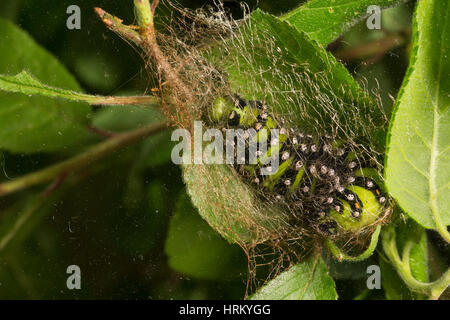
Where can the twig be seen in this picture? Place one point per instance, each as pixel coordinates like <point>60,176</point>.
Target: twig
<point>127,100</point>
<point>82,160</point>
<point>58,181</point>
<point>100,132</point>
<point>23,217</point>
<point>146,39</point>
<point>50,194</point>
<point>145,15</point>
<point>115,24</point>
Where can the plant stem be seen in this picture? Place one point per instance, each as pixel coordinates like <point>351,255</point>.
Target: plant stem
<point>115,24</point>
<point>342,256</point>
<point>82,160</point>
<point>144,13</point>
<point>23,217</point>
<point>146,39</point>
<point>401,264</point>
<point>126,100</point>
<point>25,83</point>
<point>32,207</point>
<point>184,95</point>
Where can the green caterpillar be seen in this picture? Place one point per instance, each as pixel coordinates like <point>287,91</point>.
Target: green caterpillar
<point>322,180</point>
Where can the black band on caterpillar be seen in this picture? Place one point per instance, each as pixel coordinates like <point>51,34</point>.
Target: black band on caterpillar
<point>318,177</point>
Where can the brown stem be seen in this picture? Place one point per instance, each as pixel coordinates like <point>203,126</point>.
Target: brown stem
<point>154,5</point>
<point>147,40</point>
<point>182,96</point>
<point>82,160</point>
<point>56,183</point>
<point>100,132</point>
<point>127,100</point>
<point>115,24</point>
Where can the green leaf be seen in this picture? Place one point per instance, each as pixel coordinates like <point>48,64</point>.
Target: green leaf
<point>269,60</point>
<point>308,280</point>
<point>197,250</point>
<point>325,20</point>
<point>32,124</point>
<point>229,205</point>
<point>417,165</point>
<point>25,83</point>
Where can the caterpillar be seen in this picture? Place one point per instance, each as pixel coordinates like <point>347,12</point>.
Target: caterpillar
<point>321,179</point>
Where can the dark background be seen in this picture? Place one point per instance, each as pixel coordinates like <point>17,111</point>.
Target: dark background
<point>127,221</point>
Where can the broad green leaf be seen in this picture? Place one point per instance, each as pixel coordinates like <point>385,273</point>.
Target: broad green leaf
<point>308,280</point>
<point>229,205</point>
<point>269,60</point>
<point>417,165</point>
<point>25,83</point>
<point>325,20</point>
<point>31,123</point>
<point>197,250</point>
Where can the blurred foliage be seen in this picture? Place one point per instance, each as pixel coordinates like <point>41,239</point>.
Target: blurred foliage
<point>125,220</point>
